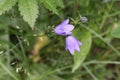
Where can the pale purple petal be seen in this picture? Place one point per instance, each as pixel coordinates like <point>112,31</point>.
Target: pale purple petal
<point>76,43</point>
<point>65,22</point>
<point>72,44</point>
<point>68,28</point>
<point>59,31</point>
<point>71,51</point>
<point>61,25</point>
<point>64,28</point>
<point>69,46</point>
<point>79,43</point>
<point>77,48</point>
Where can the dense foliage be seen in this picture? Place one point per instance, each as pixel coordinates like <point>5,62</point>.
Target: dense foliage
<point>30,50</point>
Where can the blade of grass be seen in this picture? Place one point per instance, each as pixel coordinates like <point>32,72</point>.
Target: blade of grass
<point>53,71</point>
<point>25,61</point>
<point>101,62</point>
<point>92,75</point>
<point>8,71</point>
<point>12,48</point>
<point>106,14</point>
<point>100,37</point>
<point>22,49</point>
<point>113,14</point>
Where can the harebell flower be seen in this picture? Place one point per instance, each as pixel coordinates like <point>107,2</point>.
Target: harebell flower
<point>65,29</point>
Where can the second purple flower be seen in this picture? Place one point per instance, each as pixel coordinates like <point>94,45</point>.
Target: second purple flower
<point>72,44</point>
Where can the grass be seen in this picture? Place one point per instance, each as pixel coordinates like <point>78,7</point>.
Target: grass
<point>50,60</point>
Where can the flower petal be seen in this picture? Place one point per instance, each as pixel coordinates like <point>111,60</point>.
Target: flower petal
<point>68,28</point>
<point>71,51</point>
<point>72,44</point>
<point>65,22</point>
<point>60,28</point>
<point>61,25</point>
<point>59,31</point>
<point>79,43</point>
<point>69,43</point>
<point>77,46</point>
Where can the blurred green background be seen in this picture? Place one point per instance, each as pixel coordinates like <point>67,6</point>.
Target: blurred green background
<point>30,50</point>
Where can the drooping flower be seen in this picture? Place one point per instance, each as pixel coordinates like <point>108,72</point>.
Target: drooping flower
<point>72,44</point>
<point>64,28</point>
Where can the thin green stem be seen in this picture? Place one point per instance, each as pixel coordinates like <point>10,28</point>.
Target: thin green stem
<point>22,49</point>
<point>113,14</point>
<point>8,71</point>
<point>23,52</point>
<point>100,37</point>
<point>105,16</point>
<point>102,62</point>
<point>50,71</point>
<point>12,48</point>
<point>88,70</point>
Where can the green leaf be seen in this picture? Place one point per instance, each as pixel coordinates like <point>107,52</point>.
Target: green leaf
<point>84,3</point>
<point>59,3</point>
<point>116,31</point>
<point>29,11</point>
<point>50,4</point>
<point>6,5</point>
<point>86,39</point>
<point>43,73</point>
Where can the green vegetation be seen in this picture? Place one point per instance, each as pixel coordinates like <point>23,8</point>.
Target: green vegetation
<point>30,50</point>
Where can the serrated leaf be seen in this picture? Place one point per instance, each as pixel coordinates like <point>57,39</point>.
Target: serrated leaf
<point>86,39</point>
<point>29,10</point>
<point>6,5</point>
<point>50,4</point>
<point>116,31</point>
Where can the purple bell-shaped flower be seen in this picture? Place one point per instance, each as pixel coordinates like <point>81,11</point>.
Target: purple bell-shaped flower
<point>72,44</point>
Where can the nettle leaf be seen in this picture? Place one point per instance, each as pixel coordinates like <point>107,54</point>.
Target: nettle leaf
<point>116,31</point>
<point>52,5</point>
<point>29,11</point>
<point>86,39</point>
<point>6,5</point>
